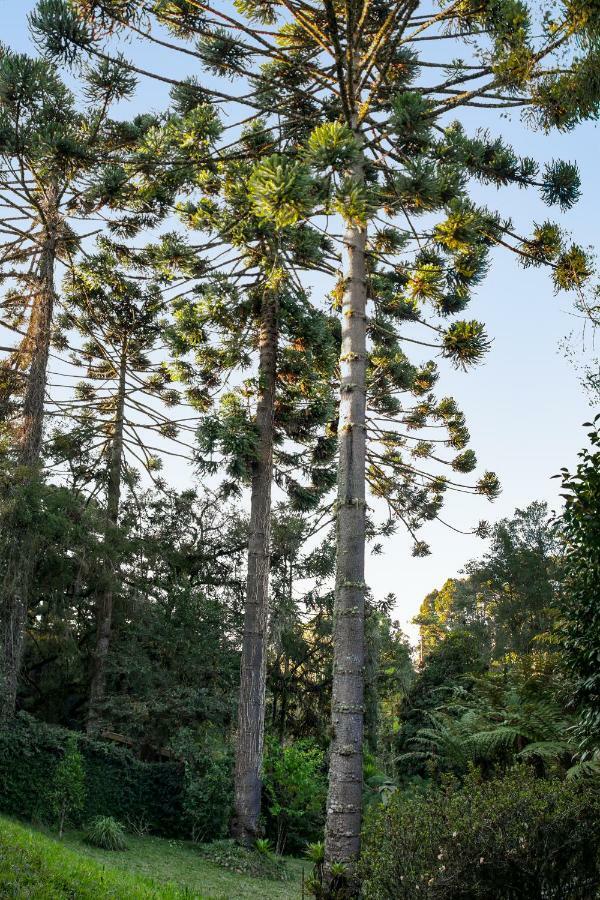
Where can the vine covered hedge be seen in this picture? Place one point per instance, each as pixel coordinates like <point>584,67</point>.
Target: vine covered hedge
<point>117,784</point>
<point>511,838</point>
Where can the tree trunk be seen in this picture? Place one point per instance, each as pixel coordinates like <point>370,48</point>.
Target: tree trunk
<point>104,597</point>
<point>19,540</point>
<point>251,711</point>
<point>342,833</point>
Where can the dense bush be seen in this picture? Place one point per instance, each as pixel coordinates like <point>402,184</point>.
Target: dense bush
<point>106,833</point>
<point>116,783</point>
<point>260,863</point>
<point>207,795</point>
<point>295,786</point>
<point>579,595</point>
<point>66,792</point>
<point>515,838</point>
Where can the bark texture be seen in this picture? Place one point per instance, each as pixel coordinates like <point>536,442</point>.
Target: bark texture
<point>342,835</point>
<point>104,597</point>
<point>251,711</point>
<point>19,540</point>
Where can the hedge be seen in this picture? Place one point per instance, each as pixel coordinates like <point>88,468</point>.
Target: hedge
<point>512,838</point>
<point>117,783</point>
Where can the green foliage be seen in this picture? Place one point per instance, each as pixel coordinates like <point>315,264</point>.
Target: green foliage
<point>378,786</point>
<point>572,269</point>
<point>117,784</point>
<point>503,719</point>
<point>207,784</point>
<point>332,144</point>
<point>34,866</point>
<point>354,201</point>
<point>280,191</point>
<point>331,885</point>
<point>563,100</point>
<point>453,661</point>
<point>506,839</point>
<point>262,11</point>
<point>66,794</point>
<point>220,52</point>
<point>257,863</point>
<point>106,833</point>
<point>466,343</point>
<point>410,120</point>
<point>263,846</point>
<point>561,184</point>
<point>580,530</point>
<point>59,29</point>
<point>295,786</point>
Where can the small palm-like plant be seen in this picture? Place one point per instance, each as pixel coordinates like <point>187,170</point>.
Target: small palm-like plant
<point>316,854</point>
<point>263,846</point>
<point>106,833</point>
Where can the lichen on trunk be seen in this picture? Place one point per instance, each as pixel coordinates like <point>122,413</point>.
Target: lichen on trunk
<point>342,839</point>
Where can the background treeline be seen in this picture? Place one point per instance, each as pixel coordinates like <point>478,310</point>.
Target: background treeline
<point>488,688</point>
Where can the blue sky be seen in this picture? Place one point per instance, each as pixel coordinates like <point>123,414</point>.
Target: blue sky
<point>524,406</point>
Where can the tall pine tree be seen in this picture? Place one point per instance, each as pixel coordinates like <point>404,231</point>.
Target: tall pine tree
<point>48,149</point>
<point>375,85</point>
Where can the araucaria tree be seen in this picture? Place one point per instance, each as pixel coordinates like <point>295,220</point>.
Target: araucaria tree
<point>272,428</point>
<point>47,151</point>
<point>387,156</point>
<point>121,424</point>
<point>362,98</point>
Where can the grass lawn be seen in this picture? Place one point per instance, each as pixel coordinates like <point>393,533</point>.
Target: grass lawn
<point>36,866</point>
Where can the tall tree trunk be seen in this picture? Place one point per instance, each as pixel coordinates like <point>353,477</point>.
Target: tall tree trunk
<point>342,834</point>
<point>20,540</point>
<point>104,596</point>
<point>286,665</point>
<point>251,711</point>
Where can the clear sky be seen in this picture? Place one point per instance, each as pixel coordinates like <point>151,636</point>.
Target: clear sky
<point>524,405</point>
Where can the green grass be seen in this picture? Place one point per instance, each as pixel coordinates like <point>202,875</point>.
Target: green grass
<point>36,866</point>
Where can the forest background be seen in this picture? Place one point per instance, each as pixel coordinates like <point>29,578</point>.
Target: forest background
<point>525,404</point>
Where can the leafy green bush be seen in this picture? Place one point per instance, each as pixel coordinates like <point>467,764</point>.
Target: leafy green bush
<point>117,783</point>
<point>263,846</point>
<point>106,833</point>
<point>513,838</point>
<point>66,796</point>
<point>207,795</point>
<point>296,788</point>
<point>378,786</point>
<point>581,612</point>
<point>230,855</point>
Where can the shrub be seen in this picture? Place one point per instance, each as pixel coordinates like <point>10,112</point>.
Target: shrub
<point>117,783</point>
<point>207,794</point>
<point>66,796</point>
<point>513,838</point>
<point>263,846</point>
<point>579,600</point>
<point>296,788</point>
<point>230,855</point>
<point>106,833</point>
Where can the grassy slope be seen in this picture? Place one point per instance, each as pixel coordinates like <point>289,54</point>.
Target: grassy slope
<point>36,867</point>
